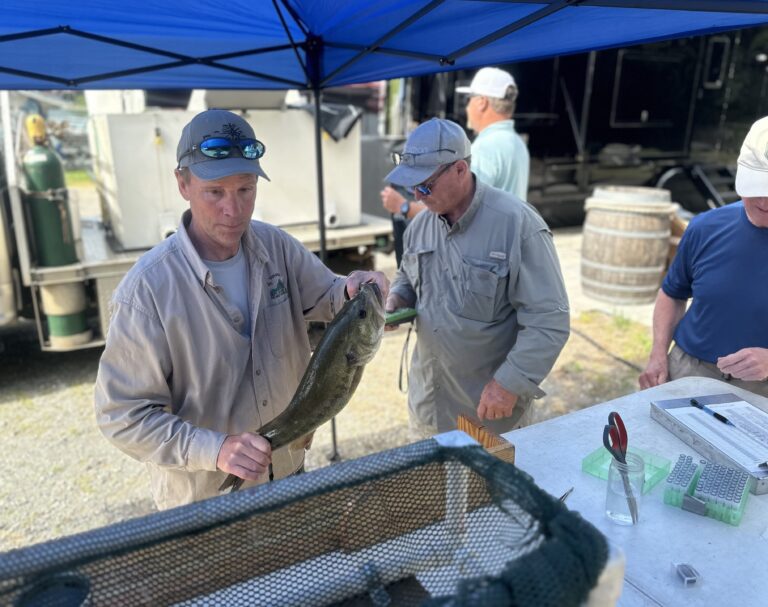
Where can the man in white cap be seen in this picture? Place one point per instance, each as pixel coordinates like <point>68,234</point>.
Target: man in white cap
<point>208,340</point>
<point>721,264</point>
<point>482,272</point>
<point>500,157</point>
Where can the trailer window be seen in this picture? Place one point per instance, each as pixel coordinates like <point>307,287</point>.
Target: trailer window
<point>716,61</point>
<point>645,89</point>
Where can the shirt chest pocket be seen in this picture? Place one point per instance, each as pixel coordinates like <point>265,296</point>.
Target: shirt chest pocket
<point>484,289</point>
<point>278,321</point>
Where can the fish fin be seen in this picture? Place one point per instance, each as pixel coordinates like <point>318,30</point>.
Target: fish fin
<point>226,484</point>
<point>231,481</point>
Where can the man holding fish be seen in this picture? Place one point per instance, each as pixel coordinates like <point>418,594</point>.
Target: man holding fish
<point>207,341</point>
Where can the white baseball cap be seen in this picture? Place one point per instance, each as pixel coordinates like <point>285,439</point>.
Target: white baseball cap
<point>752,165</point>
<point>489,82</point>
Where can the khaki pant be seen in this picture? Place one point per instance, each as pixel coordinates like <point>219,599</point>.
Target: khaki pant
<point>685,365</point>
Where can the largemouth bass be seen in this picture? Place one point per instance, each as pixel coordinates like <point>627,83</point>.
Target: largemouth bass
<point>334,371</point>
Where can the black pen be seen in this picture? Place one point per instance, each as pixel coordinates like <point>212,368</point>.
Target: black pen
<point>714,414</point>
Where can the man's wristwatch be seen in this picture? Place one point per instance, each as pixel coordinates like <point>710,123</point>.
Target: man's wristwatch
<point>405,207</point>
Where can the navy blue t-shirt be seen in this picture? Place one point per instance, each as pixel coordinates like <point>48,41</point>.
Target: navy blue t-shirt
<point>722,262</point>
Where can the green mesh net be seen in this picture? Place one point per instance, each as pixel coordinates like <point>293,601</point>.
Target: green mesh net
<point>418,525</point>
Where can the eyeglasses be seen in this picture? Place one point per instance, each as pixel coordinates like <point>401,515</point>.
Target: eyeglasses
<point>409,159</point>
<point>425,189</point>
<point>221,147</point>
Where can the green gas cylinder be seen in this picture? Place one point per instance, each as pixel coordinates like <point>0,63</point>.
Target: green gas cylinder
<point>48,211</point>
<point>48,205</point>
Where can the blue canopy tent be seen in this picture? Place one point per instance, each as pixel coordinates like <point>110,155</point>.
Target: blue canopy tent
<point>315,44</point>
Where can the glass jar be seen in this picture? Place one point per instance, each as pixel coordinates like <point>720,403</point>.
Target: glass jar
<point>625,487</point>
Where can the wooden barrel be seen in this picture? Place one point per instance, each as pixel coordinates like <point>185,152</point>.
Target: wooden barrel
<point>677,228</point>
<point>625,243</point>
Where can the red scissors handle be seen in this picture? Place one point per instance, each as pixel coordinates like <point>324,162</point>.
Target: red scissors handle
<point>612,442</point>
<point>614,419</point>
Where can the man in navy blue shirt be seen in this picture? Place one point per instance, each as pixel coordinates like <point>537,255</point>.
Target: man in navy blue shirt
<point>722,265</point>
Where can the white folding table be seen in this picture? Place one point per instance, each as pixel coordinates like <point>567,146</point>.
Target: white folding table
<point>731,560</point>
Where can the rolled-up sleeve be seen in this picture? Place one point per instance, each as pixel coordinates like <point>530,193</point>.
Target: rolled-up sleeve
<point>133,399</point>
<point>401,286</point>
<point>538,294</point>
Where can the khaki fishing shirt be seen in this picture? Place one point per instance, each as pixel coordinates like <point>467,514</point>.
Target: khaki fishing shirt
<point>180,371</point>
<point>491,304</point>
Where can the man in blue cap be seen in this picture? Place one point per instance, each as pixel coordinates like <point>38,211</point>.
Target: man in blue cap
<point>208,339</point>
<point>481,269</point>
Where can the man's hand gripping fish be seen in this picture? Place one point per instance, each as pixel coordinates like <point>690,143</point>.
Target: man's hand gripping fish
<point>334,371</point>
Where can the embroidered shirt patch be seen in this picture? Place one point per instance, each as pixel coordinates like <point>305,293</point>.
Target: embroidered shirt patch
<point>277,290</point>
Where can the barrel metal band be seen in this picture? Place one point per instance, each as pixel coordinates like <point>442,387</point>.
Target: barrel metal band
<point>620,288</point>
<point>625,234</point>
<point>629,270</point>
<point>662,209</point>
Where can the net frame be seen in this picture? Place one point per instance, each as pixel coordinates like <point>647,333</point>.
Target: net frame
<point>456,525</point>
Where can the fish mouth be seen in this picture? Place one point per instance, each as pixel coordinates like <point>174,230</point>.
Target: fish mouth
<point>377,292</point>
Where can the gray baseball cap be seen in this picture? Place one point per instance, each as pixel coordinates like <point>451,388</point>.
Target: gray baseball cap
<point>212,124</point>
<point>431,144</point>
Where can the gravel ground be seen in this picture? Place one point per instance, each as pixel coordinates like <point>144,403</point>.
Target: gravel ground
<point>60,476</point>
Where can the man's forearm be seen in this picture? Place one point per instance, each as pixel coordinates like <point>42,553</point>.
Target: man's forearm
<point>667,314</point>
<point>158,437</point>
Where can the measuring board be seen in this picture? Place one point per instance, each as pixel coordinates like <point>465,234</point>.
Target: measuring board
<point>743,445</point>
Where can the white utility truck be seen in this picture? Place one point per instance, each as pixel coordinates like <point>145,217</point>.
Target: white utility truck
<point>58,269</point>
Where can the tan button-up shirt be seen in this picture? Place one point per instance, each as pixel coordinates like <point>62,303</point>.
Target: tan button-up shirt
<point>180,372</point>
<point>491,304</point>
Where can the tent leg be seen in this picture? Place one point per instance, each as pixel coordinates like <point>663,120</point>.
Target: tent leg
<point>334,455</point>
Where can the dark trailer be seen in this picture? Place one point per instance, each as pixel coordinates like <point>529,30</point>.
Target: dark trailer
<point>670,114</point>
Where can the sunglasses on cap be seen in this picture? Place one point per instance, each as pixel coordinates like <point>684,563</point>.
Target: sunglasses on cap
<point>221,147</point>
<point>409,159</point>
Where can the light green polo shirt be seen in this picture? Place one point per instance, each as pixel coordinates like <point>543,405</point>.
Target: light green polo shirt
<point>500,158</point>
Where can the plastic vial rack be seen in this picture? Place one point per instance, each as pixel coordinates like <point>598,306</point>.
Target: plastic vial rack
<point>708,489</point>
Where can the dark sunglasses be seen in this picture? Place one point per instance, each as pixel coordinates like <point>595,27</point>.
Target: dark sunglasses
<point>409,159</point>
<point>425,189</point>
<point>221,147</point>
